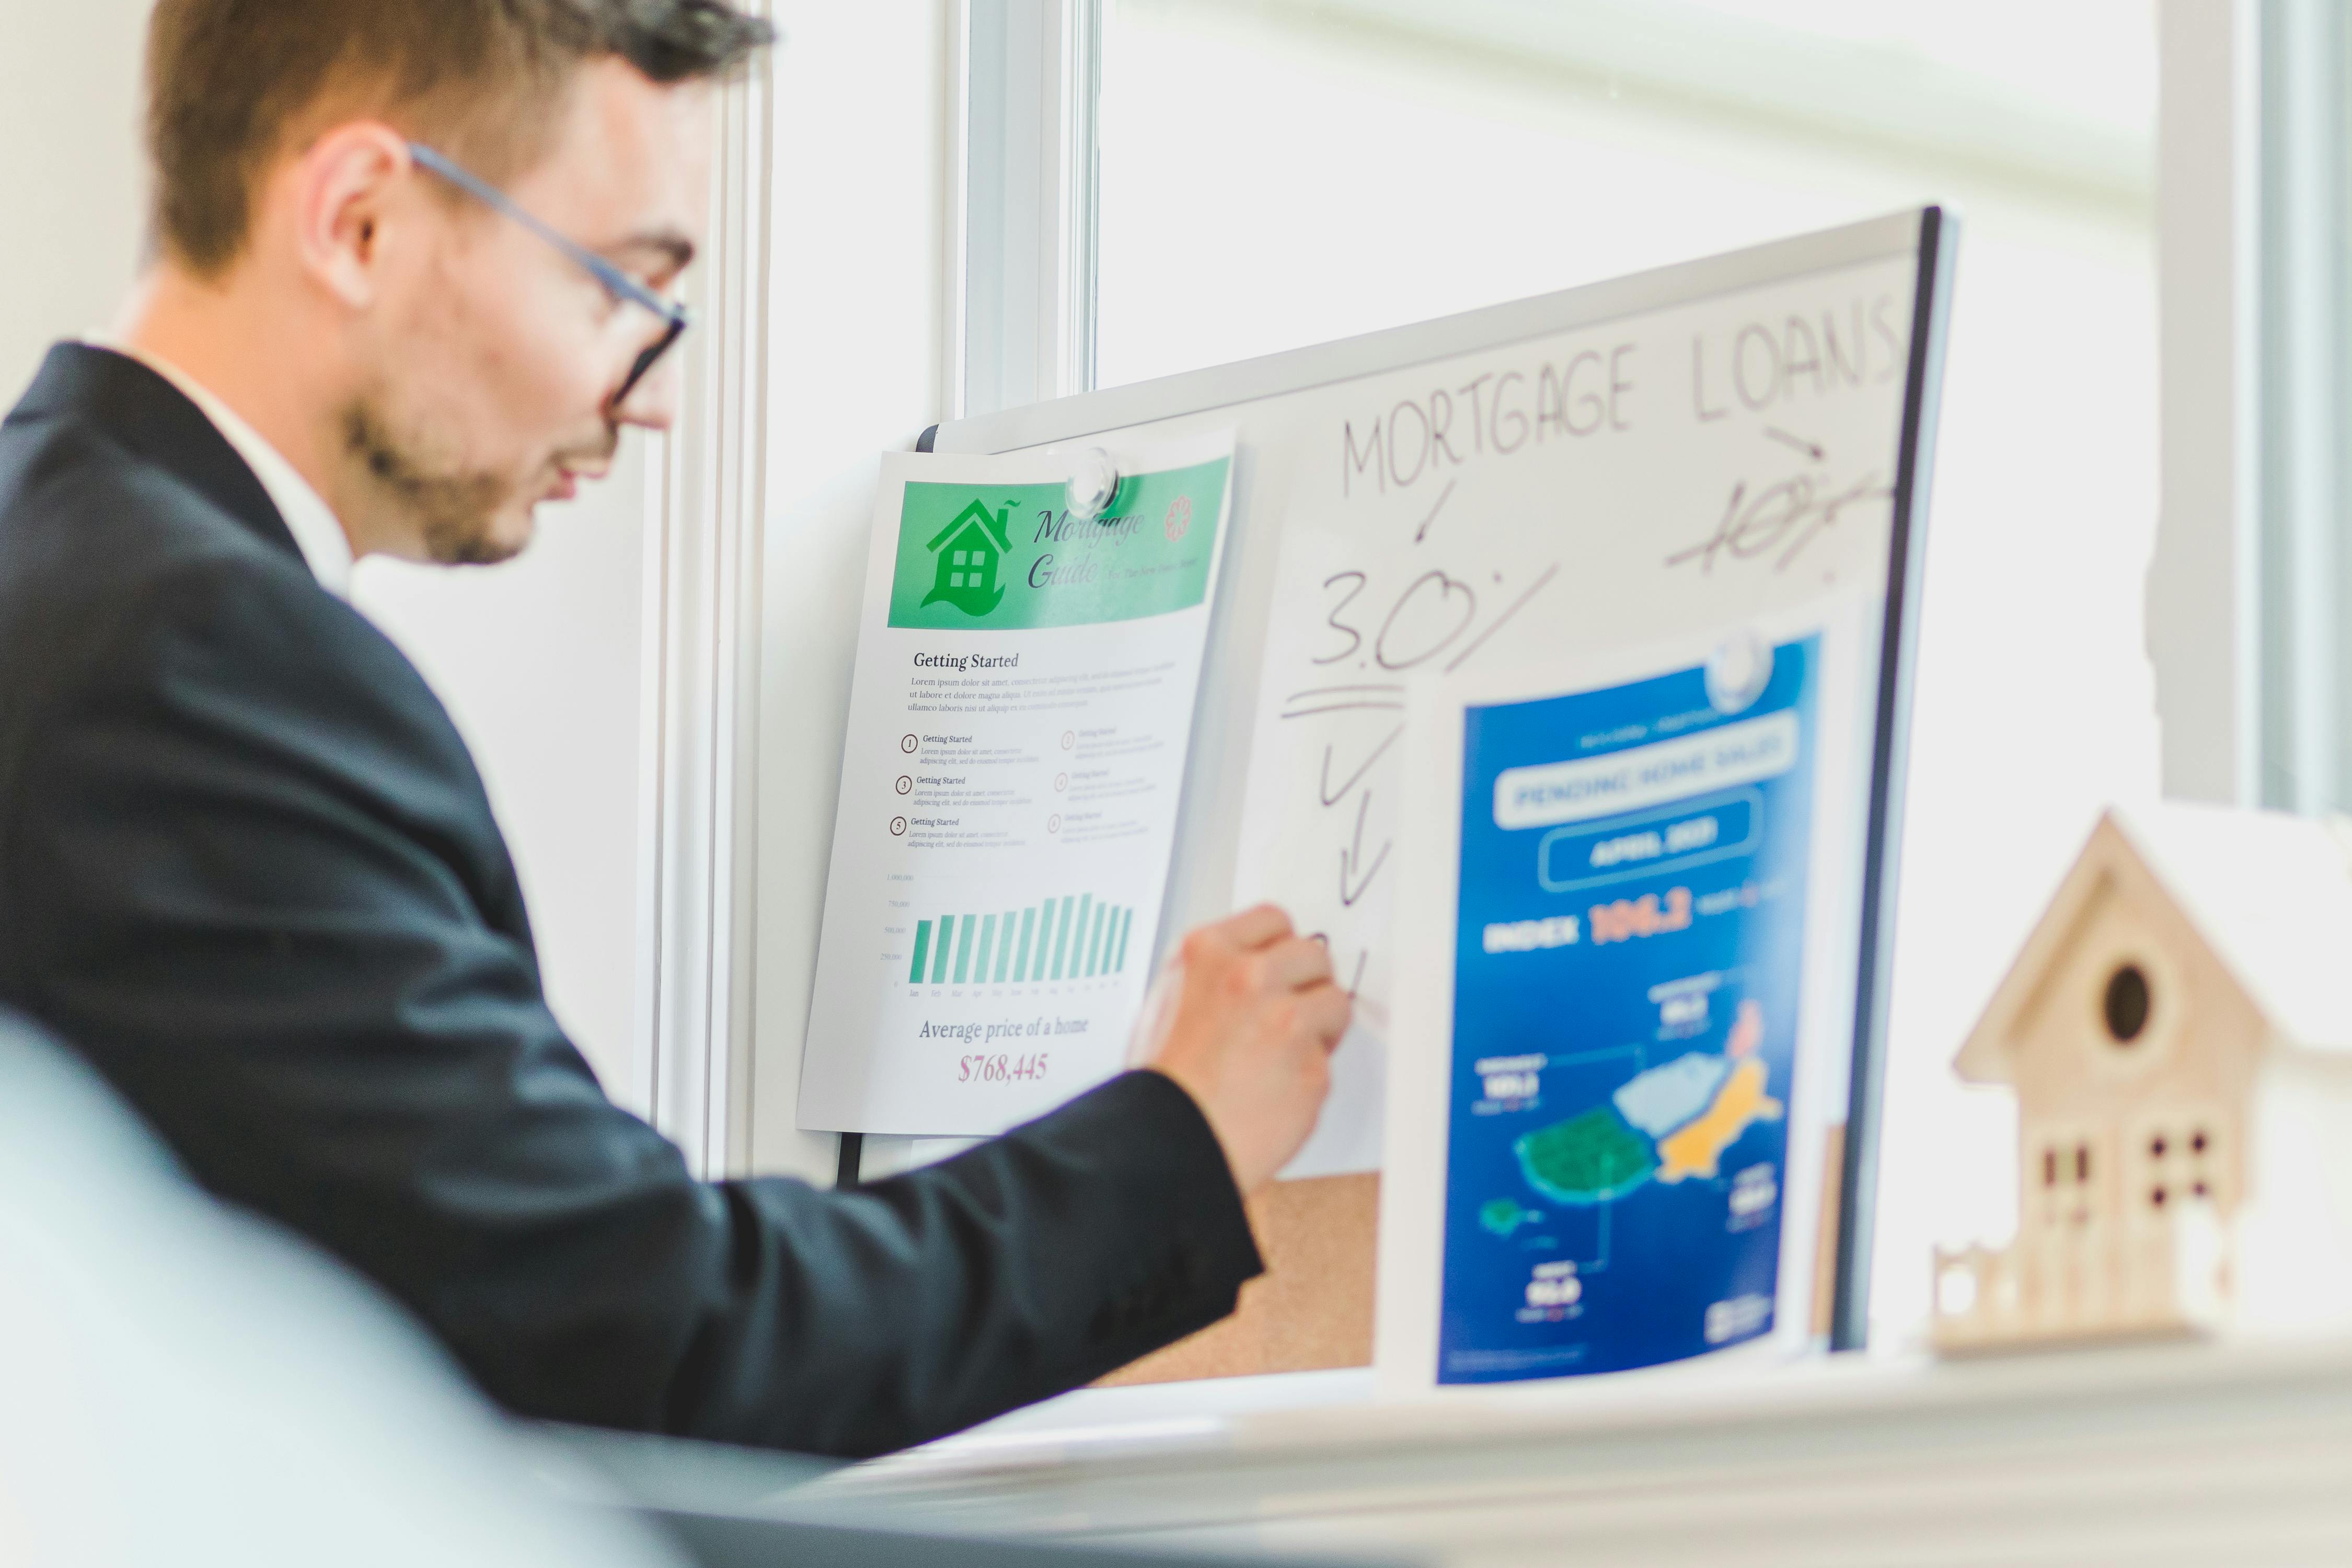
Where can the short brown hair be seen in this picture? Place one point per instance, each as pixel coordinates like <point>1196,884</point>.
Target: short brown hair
<point>229,82</point>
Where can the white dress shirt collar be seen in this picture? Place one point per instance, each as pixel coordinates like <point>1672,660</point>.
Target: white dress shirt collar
<point>326,549</point>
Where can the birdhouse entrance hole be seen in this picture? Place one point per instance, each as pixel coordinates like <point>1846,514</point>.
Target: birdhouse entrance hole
<point>2126,1004</point>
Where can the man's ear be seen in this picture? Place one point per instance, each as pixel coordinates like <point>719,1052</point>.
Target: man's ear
<point>348,186</point>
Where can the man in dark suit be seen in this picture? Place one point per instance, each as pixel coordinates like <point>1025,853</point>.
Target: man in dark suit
<point>414,261</point>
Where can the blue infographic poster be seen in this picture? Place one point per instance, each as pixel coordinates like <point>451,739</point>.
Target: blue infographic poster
<point>1629,946</point>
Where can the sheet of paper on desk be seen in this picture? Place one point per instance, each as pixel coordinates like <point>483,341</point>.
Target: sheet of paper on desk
<point>1019,722</point>
<point>1607,1147</point>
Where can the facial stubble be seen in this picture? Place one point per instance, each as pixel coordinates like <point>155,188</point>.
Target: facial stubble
<point>455,511</point>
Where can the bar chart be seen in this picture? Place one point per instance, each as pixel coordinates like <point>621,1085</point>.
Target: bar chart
<point>1075,937</point>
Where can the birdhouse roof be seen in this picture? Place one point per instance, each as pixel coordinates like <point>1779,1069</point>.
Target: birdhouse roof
<point>2270,893</point>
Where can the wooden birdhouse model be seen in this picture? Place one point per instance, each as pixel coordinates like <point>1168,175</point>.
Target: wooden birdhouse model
<point>2178,1032</point>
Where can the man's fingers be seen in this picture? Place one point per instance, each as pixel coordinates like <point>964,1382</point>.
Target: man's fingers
<point>1253,928</point>
<point>1296,963</point>
<point>1325,1011</point>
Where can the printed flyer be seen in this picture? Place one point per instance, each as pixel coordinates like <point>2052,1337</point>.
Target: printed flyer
<point>1627,929</point>
<point>1020,718</point>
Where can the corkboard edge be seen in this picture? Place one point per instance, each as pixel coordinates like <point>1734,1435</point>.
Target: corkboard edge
<point>1825,1244</point>
<point>1311,1310</point>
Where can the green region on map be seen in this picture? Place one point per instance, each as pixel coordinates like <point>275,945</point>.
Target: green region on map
<point>1594,1158</point>
<point>1504,1215</point>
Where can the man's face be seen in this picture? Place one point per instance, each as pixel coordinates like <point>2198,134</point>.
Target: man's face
<point>493,368</point>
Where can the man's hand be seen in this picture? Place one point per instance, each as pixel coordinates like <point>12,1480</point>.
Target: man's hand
<point>1245,1018</point>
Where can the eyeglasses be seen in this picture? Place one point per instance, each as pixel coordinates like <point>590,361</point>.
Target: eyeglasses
<point>623,289</point>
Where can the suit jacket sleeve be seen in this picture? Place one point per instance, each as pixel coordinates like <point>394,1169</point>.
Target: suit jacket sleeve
<point>262,890</point>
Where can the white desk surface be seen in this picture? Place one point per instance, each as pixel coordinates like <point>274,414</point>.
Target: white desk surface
<point>2162,1453</point>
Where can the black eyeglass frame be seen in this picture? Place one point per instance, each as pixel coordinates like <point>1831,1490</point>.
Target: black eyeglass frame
<point>623,289</point>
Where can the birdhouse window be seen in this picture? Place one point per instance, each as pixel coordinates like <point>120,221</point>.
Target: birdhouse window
<point>2068,1170</point>
<point>2204,1168</point>
<point>2058,1161</point>
<point>2174,1160</point>
<point>2125,1006</point>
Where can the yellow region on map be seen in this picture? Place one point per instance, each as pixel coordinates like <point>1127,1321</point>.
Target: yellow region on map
<point>1693,1150</point>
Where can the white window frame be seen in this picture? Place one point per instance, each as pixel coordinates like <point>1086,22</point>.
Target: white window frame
<point>2302,400</point>
<point>700,752</point>
<point>2248,591</point>
<point>2203,584</point>
<point>1023,291</point>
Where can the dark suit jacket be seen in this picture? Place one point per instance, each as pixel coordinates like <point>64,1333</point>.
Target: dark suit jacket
<point>247,868</point>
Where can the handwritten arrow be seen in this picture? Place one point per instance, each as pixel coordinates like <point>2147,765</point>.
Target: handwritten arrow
<point>1332,797</point>
<point>1350,859</point>
<point>1799,442</point>
<point>1497,623</point>
<point>1444,496</point>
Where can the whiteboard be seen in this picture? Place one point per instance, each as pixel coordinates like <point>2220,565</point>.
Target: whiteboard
<point>1744,436</point>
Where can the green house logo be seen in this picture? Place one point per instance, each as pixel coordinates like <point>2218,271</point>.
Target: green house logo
<point>969,550</point>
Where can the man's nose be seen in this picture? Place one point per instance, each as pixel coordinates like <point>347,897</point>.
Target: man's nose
<point>652,403</point>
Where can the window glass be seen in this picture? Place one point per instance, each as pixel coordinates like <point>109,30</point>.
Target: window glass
<point>1292,171</point>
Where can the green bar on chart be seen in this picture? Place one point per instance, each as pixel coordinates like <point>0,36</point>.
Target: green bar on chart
<point>1073,937</point>
<point>1062,937</point>
<point>939,953</point>
<point>987,949</point>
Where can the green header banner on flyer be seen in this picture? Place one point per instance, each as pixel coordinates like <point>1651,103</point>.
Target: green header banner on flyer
<point>1012,558</point>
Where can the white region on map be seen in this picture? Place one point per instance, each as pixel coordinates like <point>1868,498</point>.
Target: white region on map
<point>1663,1098</point>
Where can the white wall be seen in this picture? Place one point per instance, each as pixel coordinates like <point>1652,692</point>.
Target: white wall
<point>539,663</point>
<point>861,164</point>
<point>72,183</point>
<point>539,660</point>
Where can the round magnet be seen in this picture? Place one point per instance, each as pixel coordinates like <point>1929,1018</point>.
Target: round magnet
<point>1737,672</point>
<point>1094,484</point>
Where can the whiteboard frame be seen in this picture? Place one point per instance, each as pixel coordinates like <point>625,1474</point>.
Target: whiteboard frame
<point>1930,233</point>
